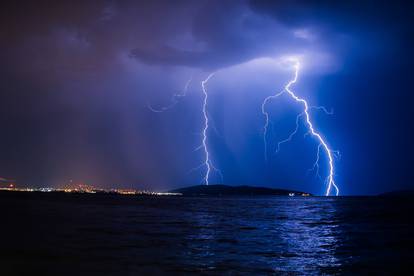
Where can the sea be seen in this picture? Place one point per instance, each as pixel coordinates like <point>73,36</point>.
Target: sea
<point>102,234</point>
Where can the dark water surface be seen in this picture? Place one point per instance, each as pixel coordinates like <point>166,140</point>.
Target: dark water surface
<point>67,234</point>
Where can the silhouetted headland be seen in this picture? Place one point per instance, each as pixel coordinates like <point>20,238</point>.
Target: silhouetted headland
<point>225,190</point>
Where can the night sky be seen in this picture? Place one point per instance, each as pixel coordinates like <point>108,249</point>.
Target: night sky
<point>77,78</point>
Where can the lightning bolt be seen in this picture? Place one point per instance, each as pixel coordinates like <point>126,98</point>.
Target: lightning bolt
<point>204,145</point>
<point>176,99</point>
<point>322,144</point>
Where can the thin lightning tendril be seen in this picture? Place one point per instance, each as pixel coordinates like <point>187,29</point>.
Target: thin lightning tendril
<point>175,99</point>
<point>330,153</point>
<point>292,134</point>
<point>315,166</point>
<point>267,122</point>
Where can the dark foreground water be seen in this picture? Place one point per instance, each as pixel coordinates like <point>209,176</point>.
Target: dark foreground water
<point>62,234</point>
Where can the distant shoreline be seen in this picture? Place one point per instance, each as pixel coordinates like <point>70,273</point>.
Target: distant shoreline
<point>226,190</point>
<point>205,191</point>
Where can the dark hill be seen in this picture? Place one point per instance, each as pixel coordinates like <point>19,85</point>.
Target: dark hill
<point>225,190</point>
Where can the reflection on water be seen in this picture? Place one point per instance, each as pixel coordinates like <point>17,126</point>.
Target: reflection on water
<point>95,235</point>
<point>310,235</point>
<point>199,245</point>
<point>266,235</point>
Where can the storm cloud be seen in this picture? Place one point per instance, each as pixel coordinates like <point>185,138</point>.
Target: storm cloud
<point>76,78</point>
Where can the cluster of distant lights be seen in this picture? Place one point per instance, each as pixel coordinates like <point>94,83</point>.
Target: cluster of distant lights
<point>88,191</point>
<point>12,188</point>
<point>208,164</point>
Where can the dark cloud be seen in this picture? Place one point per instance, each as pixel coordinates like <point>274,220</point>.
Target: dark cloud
<point>52,37</point>
<point>224,33</point>
<point>87,35</point>
<point>339,15</point>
